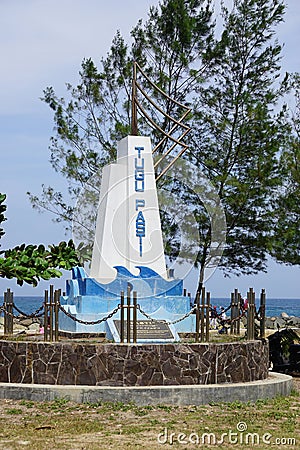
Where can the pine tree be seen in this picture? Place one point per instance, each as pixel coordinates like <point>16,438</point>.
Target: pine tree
<point>233,86</point>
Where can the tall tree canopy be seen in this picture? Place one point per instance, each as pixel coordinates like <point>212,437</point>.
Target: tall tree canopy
<point>239,131</point>
<point>239,138</point>
<point>285,246</point>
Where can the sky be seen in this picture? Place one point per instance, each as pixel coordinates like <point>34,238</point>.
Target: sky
<point>42,43</point>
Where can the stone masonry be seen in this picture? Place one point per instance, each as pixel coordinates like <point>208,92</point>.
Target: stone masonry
<point>132,365</point>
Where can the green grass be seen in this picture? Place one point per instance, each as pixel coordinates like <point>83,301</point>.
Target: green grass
<point>13,411</point>
<point>62,424</point>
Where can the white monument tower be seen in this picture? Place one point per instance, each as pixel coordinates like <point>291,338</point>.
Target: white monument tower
<point>128,250</point>
<point>128,230</point>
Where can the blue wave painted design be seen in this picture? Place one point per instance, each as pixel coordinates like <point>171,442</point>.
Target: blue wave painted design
<point>146,272</point>
<point>123,272</point>
<point>92,299</point>
<point>148,283</point>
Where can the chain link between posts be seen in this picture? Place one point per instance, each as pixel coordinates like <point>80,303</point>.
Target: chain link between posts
<point>193,310</point>
<point>93,322</point>
<point>168,322</point>
<point>38,313</point>
<point>259,315</point>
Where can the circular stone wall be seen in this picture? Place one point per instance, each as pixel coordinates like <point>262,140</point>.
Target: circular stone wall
<point>133,365</point>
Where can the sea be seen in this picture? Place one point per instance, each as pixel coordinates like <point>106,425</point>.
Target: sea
<point>274,306</point>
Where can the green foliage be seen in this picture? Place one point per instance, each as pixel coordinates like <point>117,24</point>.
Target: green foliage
<point>285,244</point>
<point>238,136</point>
<point>30,263</point>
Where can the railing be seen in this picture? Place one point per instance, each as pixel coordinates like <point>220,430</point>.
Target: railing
<point>202,316</point>
<point>235,310</point>
<point>51,310</point>
<point>8,312</point>
<point>129,308</point>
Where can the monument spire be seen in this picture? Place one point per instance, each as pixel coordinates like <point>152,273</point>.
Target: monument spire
<point>178,128</point>
<point>134,126</point>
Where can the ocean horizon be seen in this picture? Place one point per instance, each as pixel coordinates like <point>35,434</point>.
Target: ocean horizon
<point>274,306</point>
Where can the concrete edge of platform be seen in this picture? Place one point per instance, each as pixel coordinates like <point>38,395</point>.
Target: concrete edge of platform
<point>276,384</point>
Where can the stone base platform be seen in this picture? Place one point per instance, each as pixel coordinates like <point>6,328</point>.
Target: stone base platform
<point>276,384</point>
<point>122,365</point>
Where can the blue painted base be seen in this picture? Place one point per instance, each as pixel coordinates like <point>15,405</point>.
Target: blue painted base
<point>88,300</point>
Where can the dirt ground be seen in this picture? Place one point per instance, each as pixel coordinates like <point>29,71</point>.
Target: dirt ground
<point>65,425</point>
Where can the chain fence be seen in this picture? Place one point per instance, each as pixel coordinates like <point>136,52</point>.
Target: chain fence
<point>36,314</point>
<point>192,311</point>
<point>205,314</point>
<point>92,322</point>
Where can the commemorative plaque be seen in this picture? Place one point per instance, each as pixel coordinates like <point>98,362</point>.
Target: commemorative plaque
<point>148,329</point>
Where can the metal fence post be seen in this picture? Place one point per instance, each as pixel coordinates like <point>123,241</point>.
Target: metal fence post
<point>234,314</point>
<point>8,312</point>
<point>238,322</point>
<point>134,324</point>
<point>128,314</point>
<point>46,308</point>
<point>51,303</point>
<point>263,314</point>
<point>122,318</point>
<point>250,314</point>
<point>197,316</point>
<point>202,313</point>
<point>57,295</point>
<point>5,313</point>
<point>207,315</point>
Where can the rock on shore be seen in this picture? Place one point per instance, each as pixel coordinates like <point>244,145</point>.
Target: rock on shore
<point>282,321</point>
<point>23,325</point>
